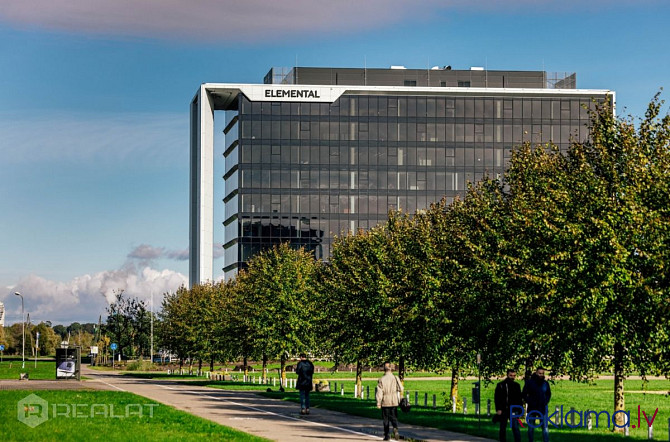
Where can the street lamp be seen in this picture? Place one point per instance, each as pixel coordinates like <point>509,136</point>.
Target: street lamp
<point>23,325</point>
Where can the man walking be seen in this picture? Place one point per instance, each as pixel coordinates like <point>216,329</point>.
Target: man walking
<point>508,393</point>
<point>305,371</point>
<point>389,389</point>
<point>536,393</point>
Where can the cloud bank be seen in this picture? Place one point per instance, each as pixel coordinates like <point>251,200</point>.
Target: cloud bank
<point>251,21</point>
<point>86,297</point>
<point>206,20</point>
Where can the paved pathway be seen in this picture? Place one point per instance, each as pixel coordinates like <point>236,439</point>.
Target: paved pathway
<point>271,418</point>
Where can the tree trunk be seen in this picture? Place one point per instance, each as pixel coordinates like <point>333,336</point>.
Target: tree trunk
<point>199,365</point>
<point>454,382</point>
<point>211,364</point>
<point>265,369</point>
<point>359,378</point>
<point>528,369</point>
<point>282,370</point>
<point>181,364</point>
<point>245,363</point>
<point>619,403</point>
<point>401,369</point>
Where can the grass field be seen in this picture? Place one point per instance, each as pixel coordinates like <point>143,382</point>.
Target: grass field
<point>569,394</point>
<point>117,416</point>
<point>10,368</point>
<point>597,396</point>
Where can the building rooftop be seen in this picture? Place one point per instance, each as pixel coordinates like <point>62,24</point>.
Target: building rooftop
<point>435,77</point>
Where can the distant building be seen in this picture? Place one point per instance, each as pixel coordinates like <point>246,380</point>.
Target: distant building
<point>317,152</point>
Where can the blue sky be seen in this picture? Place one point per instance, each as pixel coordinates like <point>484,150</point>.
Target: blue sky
<point>94,100</point>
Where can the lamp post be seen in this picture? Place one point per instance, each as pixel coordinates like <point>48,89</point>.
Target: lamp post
<point>151,357</point>
<point>23,325</point>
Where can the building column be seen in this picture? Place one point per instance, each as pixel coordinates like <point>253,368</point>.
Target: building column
<point>201,205</point>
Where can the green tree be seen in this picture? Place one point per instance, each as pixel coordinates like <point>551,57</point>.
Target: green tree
<point>49,340</point>
<point>278,286</point>
<point>355,309</point>
<point>588,247</point>
<point>128,325</point>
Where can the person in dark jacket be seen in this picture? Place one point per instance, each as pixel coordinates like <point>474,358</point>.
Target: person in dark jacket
<point>537,393</point>
<point>305,371</point>
<point>508,393</point>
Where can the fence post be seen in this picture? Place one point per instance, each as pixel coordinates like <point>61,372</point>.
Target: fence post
<point>453,404</point>
<point>425,399</point>
<point>355,390</point>
<point>367,392</point>
<point>434,402</point>
<point>589,423</point>
<point>488,408</point>
<point>572,417</point>
<point>342,391</point>
<point>465,406</point>
<point>335,389</point>
<point>416,398</point>
<point>650,432</point>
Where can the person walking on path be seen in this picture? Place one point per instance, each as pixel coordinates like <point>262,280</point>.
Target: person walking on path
<point>389,389</point>
<point>508,393</point>
<point>537,393</point>
<point>305,371</point>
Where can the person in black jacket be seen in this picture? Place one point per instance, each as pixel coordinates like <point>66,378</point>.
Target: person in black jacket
<point>508,393</point>
<point>536,393</point>
<point>304,370</point>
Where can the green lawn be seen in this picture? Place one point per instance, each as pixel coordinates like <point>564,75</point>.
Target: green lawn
<point>128,417</point>
<point>10,368</point>
<point>569,394</point>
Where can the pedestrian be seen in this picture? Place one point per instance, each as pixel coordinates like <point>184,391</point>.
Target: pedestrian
<point>389,390</point>
<point>305,371</point>
<point>508,393</point>
<point>537,393</point>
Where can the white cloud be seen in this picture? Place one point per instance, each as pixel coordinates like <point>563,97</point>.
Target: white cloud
<point>155,138</point>
<point>86,297</point>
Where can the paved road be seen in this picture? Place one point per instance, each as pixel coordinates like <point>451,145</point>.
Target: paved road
<point>271,418</point>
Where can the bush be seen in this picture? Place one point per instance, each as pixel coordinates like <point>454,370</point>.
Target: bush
<point>140,365</point>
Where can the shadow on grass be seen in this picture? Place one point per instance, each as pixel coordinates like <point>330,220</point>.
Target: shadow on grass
<point>159,375</point>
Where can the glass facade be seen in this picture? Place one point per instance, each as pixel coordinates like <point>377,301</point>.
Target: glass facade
<point>304,172</point>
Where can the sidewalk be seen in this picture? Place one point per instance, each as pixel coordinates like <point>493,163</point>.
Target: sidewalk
<point>271,418</point>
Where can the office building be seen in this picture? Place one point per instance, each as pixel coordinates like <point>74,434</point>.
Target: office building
<point>317,152</point>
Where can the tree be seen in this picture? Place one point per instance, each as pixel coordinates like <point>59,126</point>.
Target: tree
<point>49,340</point>
<point>175,332</point>
<point>622,300</point>
<point>590,249</point>
<point>61,331</point>
<point>128,324</point>
<point>278,287</point>
<point>352,289</point>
